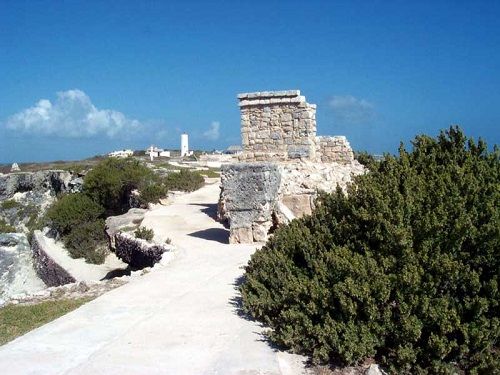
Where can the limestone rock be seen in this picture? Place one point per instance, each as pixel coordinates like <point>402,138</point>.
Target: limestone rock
<point>373,370</point>
<point>54,181</point>
<point>249,194</point>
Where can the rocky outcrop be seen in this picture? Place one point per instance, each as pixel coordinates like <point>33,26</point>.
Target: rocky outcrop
<point>54,181</point>
<point>31,193</point>
<point>16,267</point>
<point>46,267</point>
<point>138,253</point>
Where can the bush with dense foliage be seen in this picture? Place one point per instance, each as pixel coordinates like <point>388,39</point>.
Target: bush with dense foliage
<point>71,211</point>
<point>111,182</point>
<point>79,221</point>
<point>87,240</point>
<point>404,268</point>
<point>144,233</point>
<point>152,193</point>
<point>185,180</point>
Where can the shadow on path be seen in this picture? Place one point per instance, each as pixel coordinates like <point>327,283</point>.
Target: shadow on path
<point>210,209</point>
<point>118,273</point>
<point>237,303</point>
<point>212,234</point>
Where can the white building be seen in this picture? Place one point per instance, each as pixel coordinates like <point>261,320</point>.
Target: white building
<point>121,154</point>
<point>155,152</point>
<point>184,145</point>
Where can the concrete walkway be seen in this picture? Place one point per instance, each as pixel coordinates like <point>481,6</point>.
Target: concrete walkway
<point>181,318</point>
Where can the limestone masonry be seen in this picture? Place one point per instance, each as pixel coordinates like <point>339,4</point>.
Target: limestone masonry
<point>283,165</point>
<point>281,126</point>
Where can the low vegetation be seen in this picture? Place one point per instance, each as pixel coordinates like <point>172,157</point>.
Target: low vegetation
<point>73,210</point>
<point>6,227</point>
<point>184,180</point>
<point>88,241</point>
<point>403,269</point>
<point>9,204</point>
<point>144,233</point>
<point>16,320</point>
<point>112,181</point>
<point>107,190</point>
<point>211,173</point>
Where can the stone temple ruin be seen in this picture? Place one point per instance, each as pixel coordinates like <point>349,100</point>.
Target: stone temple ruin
<point>283,165</point>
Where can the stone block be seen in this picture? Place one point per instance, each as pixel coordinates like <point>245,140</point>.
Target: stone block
<point>240,235</point>
<point>300,205</point>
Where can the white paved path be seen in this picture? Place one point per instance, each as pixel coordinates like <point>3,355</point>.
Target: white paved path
<point>179,319</point>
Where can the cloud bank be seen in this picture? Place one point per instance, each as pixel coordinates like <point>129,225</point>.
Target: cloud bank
<point>351,110</point>
<point>72,115</point>
<point>212,134</point>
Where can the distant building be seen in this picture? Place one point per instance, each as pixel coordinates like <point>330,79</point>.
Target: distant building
<point>155,152</point>
<point>15,168</point>
<point>234,150</point>
<point>184,145</point>
<point>121,154</point>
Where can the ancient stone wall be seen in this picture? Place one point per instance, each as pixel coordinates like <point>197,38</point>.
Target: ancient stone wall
<point>277,126</point>
<point>284,165</point>
<point>334,149</point>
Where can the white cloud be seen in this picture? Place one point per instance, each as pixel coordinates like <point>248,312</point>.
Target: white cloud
<point>72,115</point>
<point>350,110</point>
<point>212,133</point>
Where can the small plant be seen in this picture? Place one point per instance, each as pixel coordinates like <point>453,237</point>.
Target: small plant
<point>9,204</point>
<point>6,227</point>
<point>144,233</point>
<point>168,241</point>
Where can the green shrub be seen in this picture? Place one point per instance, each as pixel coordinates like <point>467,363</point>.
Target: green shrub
<point>9,204</point>
<point>6,227</point>
<point>144,233</point>
<point>87,240</point>
<point>78,219</point>
<point>366,159</point>
<point>111,181</point>
<point>185,180</point>
<point>405,268</point>
<point>71,211</point>
<point>152,193</point>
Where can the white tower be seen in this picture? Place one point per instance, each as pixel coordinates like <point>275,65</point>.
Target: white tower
<point>184,145</point>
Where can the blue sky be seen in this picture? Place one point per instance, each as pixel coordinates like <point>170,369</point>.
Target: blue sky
<point>82,78</point>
